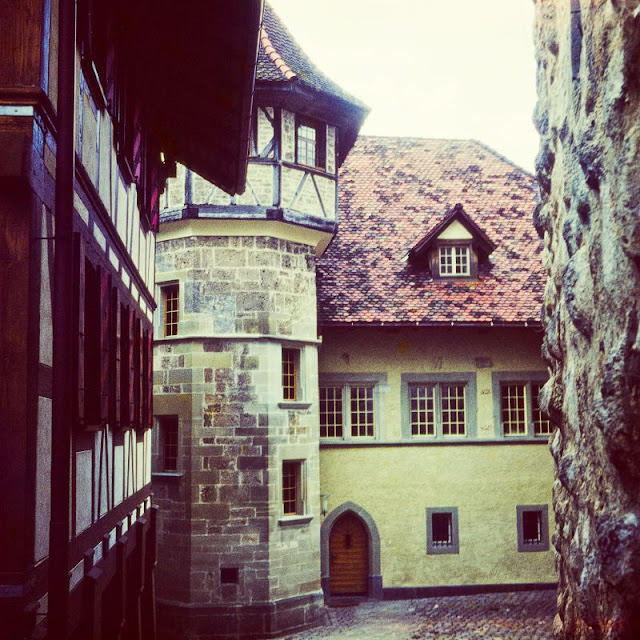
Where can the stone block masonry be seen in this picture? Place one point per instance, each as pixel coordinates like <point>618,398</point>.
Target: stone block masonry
<point>588,116</point>
<point>244,570</point>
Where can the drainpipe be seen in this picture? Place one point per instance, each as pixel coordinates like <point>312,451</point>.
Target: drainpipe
<point>63,338</point>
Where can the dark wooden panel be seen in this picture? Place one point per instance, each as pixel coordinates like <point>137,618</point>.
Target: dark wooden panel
<point>21,42</point>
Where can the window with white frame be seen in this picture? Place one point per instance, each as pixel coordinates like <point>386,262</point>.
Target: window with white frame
<point>453,260</point>
<point>517,408</point>
<point>438,406</point>
<point>533,527</point>
<point>349,407</point>
<point>442,530</point>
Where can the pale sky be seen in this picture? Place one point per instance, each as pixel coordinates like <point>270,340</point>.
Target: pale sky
<point>429,68</point>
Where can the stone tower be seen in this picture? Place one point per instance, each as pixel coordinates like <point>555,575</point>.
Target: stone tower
<point>235,370</point>
<point>589,172</point>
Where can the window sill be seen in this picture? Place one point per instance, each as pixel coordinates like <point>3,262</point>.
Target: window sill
<point>166,475</point>
<point>292,404</point>
<point>285,521</point>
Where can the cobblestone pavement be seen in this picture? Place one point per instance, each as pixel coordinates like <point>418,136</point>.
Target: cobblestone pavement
<point>524,615</point>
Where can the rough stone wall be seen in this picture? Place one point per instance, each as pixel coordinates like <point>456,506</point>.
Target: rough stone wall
<point>588,115</point>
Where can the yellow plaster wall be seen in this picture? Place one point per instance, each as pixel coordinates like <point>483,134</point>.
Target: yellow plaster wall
<point>396,481</point>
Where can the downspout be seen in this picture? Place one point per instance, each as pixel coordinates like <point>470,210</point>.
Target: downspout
<point>63,338</point>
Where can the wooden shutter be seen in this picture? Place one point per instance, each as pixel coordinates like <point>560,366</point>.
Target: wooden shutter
<point>92,344</point>
<point>114,359</point>
<point>78,328</point>
<point>132,368</point>
<point>104,347</point>
<point>125,335</point>
<point>137,373</point>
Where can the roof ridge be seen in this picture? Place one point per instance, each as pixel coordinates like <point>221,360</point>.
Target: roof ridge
<point>274,56</point>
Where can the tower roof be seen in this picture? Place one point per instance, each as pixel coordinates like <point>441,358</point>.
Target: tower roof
<point>285,76</point>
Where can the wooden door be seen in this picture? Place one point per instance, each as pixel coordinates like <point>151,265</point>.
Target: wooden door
<point>348,556</point>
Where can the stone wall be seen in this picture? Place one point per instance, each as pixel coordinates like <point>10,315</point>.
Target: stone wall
<point>230,565</point>
<point>588,115</point>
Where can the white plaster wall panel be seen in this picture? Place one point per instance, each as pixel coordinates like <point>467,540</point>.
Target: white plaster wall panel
<point>151,272</point>
<point>140,459</point>
<point>259,189</point>
<point>83,482</point>
<point>135,236</point>
<point>148,447</point>
<point>132,459</point>
<point>104,162</point>
<point>455,231</point>
<point>265,131</point>
<point>327,189</point>
<point>307,200</point>
<point>122,209</point>
<point>43,480</point>
<point>290,179</point>
<point>46,265</point>
<point>331,149</point>
<point>89,140</point>
<point>118,474</point>
<point>288,121</point>
<point>175,189</point>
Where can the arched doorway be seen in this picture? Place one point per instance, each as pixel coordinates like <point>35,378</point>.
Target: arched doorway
<point>348,557</point>
<point>350,553</point>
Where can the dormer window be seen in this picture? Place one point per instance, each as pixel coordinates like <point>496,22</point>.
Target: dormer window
<point>453,248</point>
<point>454,261</point>
<point>310,143</point>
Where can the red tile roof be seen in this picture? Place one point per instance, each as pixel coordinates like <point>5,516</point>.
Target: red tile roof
<point>394,191</point>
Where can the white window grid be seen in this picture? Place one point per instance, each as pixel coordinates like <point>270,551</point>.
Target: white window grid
<point>438,407</point>
<point>513,408</point>
<point>331,420</point>
<point>306,145</point>
<point>454,261</point>
<point>348,410</point>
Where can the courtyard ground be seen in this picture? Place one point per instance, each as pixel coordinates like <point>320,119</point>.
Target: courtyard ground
<point>525,615</point>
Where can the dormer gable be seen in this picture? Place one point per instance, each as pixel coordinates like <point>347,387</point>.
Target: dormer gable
<point>453,248</point>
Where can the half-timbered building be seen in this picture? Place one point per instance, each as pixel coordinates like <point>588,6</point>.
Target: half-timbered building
<point>88,138</point>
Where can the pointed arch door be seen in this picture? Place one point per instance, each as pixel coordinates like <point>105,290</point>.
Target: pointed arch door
<point>348,556</point>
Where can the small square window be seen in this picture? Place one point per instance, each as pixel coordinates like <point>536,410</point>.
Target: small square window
<point>293,488</point>
<point>442,530</point>
<point>170,309</point>
<point>229,575</point>
<point>533,527</point>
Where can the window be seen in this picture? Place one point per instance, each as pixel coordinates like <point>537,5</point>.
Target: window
<point>167,450</point>
<point>293,498</point>
<point>437,406</point>
<point>533,527</point>
<point>331,412</point>
<point>349,408</point>
<point>442,530</point>
<point>310,144</point>
<point>517,409</point>
<point>290,374</point>
<point>542,425</point>
<point>454,260</point>
<point>170,309</point>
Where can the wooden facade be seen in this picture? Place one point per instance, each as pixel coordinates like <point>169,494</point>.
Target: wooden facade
<point>80,181</point>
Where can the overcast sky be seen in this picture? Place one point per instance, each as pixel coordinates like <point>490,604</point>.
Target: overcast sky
<point>429,68</point>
